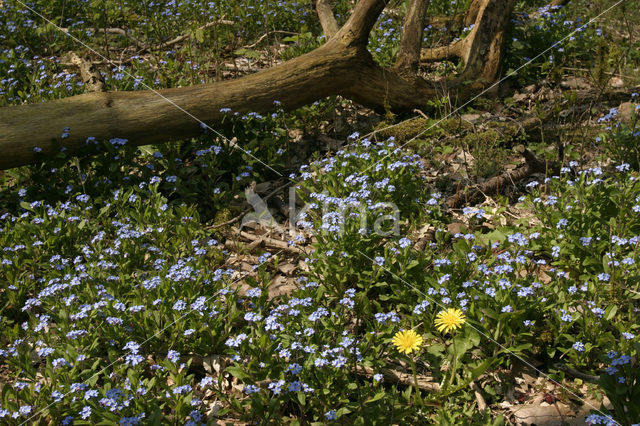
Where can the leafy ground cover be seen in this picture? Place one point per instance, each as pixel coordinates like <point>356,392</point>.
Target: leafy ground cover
<point>127,298</point>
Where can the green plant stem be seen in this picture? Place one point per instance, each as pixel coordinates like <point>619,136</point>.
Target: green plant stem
<point>415,381</point>
<point>454,365</point>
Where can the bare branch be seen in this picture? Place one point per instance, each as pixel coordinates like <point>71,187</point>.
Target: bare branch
<point>202,28</point>
<point>118,31</point>
<point>356,31</point>
<point>327,19</point>
<point>474,194</point>
<point>441,53</point>
<point>394,376</point>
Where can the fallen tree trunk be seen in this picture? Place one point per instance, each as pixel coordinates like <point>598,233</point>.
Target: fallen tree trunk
<point>148,117</point>
<point>342,66</point>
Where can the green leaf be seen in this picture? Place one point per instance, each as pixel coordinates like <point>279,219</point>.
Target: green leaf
<point>407,393</point>
<point>252,54</point>
<point>237,372</point>
<point>199,35</point>
<point>376,397</point>
<point>610,312</point>
<point>436,349</point>
<point>551,351</point>
<point>302,398</point>
<point>342,411</point>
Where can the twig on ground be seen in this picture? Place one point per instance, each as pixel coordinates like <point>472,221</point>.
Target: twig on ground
<point>187,35</point>
<point>575,373</point>
<point>482,404</point>
<point>241,215</point>
<point>394,376</point>
<point>473,194</point>
<point>271,242</point>
<point>262,37</point>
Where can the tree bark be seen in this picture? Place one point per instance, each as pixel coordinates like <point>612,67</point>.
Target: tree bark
<point>441,53</point>
<point>411,42</point>
<point>144,117</point>
<point>90,76</point>
<point>327,19</point>
<point>483,46</point>
<point>472,13</point>
<point>482,49</point>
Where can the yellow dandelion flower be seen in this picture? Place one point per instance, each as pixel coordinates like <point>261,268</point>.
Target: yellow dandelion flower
<point>407,341</point>
<point>449,320</point>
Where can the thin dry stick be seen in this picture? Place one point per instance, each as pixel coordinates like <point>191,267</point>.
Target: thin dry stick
<point>263,36</point>
<point>202,28</point>
<point>424,382</point>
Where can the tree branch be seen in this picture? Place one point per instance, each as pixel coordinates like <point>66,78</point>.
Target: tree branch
<point>188,35</point>
<point>409,53</point>
<point>442,53</point>
<point>482,47</point>
<point>121,32</point>
<point>356,30</point>
<point>474,194</point>
<point>148,117</point>
<point>394,376</point>
<point>327,19</point>
<point>342,66</point>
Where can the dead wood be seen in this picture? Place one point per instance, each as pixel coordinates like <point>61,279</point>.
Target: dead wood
<point>188,35</point>
<point>441,53</point>
<point>90,76</point>
<point>482,404</point>
<point>342,66</point>
<point>272,243</point>
<point>326,17</point>
<point>394,376</point>
<point>248,210</point>
<point>474,194</point>
<point>121,32</point>
<point>576,373</point>
<point>409,52</point>
<point>481,50</point>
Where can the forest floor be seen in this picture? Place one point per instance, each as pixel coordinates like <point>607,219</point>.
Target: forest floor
<point>465,264</point>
